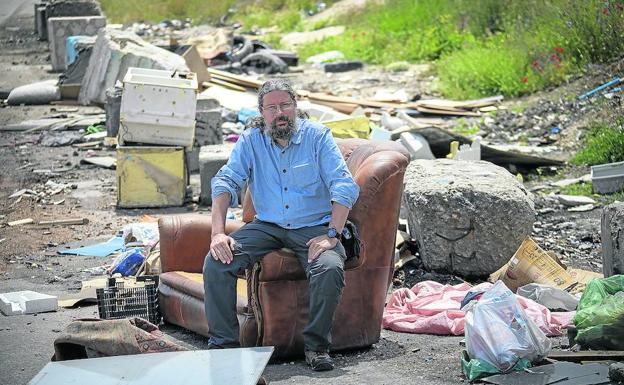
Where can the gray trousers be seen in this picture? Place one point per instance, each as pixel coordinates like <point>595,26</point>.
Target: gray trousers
<point>253,241</point>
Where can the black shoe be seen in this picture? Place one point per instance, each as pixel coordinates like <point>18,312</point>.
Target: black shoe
<point>319,361</point>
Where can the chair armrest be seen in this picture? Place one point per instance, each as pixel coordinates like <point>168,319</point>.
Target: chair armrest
<point>376,211</point>
<point>185,241</point>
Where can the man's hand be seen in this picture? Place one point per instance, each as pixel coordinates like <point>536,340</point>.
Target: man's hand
<point>319,244</point>
<point>222,246</point>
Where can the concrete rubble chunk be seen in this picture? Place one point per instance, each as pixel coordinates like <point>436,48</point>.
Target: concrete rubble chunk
<point>612,236</point>
<point>468,217</point>
<point>60,28</point>
<point>211,159</point>
<point>208,127</point>
<point>116,51</point>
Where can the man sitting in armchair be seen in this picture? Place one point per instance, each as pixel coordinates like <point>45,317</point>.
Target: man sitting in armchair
<point>302,191</point>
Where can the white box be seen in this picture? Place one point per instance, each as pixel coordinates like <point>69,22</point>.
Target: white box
<point>608,178</point>
<point>158,107</point>
<point>27,302</point>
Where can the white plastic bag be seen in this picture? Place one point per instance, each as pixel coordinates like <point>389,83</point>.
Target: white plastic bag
<point>499,332</point>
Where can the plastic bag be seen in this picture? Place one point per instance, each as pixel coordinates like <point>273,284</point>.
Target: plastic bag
<point>128,263</point>
<point>473,368</point>
<point>599,317</point>
<point>498,331</point>
<point>551,297</point>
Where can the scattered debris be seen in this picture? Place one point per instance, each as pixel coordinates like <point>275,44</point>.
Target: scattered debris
<point>19,222</point>
<point>101,161</point>
<point>575,200</point>
<point>560,373</point>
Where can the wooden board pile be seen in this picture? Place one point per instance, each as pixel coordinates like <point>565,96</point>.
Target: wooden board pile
<point>348,104</point>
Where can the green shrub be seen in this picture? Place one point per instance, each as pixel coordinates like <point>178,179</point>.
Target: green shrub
<point>602,144</point>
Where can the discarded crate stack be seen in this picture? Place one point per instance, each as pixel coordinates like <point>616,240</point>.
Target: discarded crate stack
<point>157,127</point>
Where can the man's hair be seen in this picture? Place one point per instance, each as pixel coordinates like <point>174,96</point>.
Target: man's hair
<point>270,86</point>
<point>275,85</point>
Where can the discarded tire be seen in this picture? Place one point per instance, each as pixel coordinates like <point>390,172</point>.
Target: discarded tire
<point>343,66</point>
<point>265,63</point>
<point>241,47</point>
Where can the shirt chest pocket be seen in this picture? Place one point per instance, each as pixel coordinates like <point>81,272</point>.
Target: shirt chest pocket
<point>305,178</point>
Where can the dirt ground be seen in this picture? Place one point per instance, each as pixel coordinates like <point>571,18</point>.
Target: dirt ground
<point>29,259</point>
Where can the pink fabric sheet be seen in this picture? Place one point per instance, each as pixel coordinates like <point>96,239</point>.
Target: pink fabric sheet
<point>433,308</point>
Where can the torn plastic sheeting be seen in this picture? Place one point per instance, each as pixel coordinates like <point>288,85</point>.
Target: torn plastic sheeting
<point>433,308</point>
<point>551,297</point>
<point>98,250</point>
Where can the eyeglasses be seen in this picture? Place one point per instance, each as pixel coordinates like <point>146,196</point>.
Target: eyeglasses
<point>272,108</point>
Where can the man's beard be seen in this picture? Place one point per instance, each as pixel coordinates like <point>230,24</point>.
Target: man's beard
<point>284,133</point>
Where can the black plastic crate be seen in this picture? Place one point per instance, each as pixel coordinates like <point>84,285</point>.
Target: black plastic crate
<point>117,301</point>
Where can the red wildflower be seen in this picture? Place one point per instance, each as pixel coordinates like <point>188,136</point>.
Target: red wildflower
<point>559,50</point>
<point>605,11</point>
<point>536,65</point>
<point>554,57</point>
<point>525,79</point>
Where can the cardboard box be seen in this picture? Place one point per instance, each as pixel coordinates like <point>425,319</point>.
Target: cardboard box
<point>531,264</point>
<point>151,176</point>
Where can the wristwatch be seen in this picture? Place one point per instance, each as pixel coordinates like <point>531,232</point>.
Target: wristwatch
<point>333,233</point>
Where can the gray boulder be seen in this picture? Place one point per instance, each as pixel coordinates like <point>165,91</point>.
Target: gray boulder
<point>612,236</point>
<point>468,217</point>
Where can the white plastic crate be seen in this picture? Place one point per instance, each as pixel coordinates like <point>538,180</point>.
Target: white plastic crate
<point>27,302</point>
<point>158,107</point>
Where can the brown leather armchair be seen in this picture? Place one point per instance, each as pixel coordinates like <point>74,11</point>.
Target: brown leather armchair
<point>273,297</point>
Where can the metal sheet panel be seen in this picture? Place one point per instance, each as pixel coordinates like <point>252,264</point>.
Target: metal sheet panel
<point>206,367</point>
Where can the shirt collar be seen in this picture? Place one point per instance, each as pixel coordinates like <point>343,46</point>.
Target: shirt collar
<point>298,136</point>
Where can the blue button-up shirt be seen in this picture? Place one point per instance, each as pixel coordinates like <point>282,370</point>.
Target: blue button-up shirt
<point>291,186</point>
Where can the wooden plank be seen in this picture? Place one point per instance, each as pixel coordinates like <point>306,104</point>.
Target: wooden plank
<point>317,96</point>
<point>446,112</point>
<point>340,107</point>
<point>64,222</point>
<point>237,79</point>
<point>587,355</point>
<point>224,84</point>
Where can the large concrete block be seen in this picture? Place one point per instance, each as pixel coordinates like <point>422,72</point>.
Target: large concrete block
<point>468,217</point>
<point>69,8</point>
<point>60,28</point>
<point>208,127</point>
<point>612,234</point>
<point>211,159</point>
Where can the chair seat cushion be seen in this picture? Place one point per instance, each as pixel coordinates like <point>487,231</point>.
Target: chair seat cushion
<point>193,285</point>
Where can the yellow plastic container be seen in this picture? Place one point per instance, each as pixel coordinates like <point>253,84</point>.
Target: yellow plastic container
<point>150,176</point>
<point>357,127</point>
